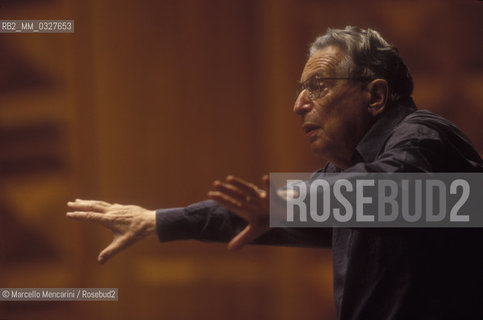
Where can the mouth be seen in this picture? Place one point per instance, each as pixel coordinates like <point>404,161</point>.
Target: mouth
<point>310,128</point>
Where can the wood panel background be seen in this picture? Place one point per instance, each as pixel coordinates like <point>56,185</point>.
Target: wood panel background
<point>148,102</point>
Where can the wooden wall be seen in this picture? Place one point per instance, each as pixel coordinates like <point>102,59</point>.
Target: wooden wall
<point>148,102</point>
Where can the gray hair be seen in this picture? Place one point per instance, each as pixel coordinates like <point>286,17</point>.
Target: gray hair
<point>369,56</point>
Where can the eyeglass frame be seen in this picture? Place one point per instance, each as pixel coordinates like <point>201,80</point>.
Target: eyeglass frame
<point>304,85</point>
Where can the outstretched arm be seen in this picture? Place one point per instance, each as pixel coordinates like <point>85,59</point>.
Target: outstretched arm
<point>240,216</point>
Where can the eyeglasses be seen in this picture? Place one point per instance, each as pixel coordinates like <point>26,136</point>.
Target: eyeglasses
<point>315,85</point>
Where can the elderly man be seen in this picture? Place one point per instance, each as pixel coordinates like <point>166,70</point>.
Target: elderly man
<point>356,109</point>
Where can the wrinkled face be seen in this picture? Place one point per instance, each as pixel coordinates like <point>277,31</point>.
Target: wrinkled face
<point>335,121</point>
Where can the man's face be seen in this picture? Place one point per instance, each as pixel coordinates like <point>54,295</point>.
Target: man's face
<point>335,121</point>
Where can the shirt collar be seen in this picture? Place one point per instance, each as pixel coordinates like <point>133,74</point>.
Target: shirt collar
<point>371,143</point>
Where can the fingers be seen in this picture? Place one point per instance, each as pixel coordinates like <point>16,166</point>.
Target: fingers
<point>249,188</point>
<point>246,236</point>
<point>230,191</point>
<point>239,189</point>
<point>89,205</point>
<point>246,200</point>
<point>225,200</point>
<point>243,210</point>
<point>241,197</point>
<point>96,217</point>
<point>83,215</point>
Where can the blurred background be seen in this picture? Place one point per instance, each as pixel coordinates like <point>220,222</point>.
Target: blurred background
<point>149,102</point>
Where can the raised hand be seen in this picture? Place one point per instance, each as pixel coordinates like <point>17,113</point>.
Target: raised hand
<point>249,202</point>
<point>128,223</point>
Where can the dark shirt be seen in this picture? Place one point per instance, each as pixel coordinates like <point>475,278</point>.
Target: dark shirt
<point>379,273</point>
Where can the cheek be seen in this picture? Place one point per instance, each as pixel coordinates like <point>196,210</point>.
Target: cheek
<point>339,117</point>
<point>331,114</point>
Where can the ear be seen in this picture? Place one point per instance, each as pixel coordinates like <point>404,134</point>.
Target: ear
<point>378,90</point>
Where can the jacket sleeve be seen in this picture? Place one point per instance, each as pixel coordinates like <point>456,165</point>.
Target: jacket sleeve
<point>209,221</point>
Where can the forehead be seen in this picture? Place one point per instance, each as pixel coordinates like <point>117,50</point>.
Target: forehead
<point>323,61</point>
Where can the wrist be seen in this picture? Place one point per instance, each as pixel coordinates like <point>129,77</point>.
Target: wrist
<point>149,222</point>
<point>152,221</point>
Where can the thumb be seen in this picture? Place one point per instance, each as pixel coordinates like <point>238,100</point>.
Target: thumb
<point>246,236</point>
<point>113,248</point>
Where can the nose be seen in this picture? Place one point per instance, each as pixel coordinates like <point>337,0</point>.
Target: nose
<point>302,104</point>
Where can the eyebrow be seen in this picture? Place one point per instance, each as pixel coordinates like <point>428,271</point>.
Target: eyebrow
<point>313,74</point>
<point>317,73</point>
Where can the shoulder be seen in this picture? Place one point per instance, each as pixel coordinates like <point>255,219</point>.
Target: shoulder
<point>435,138</point>
<point>423,126</point>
